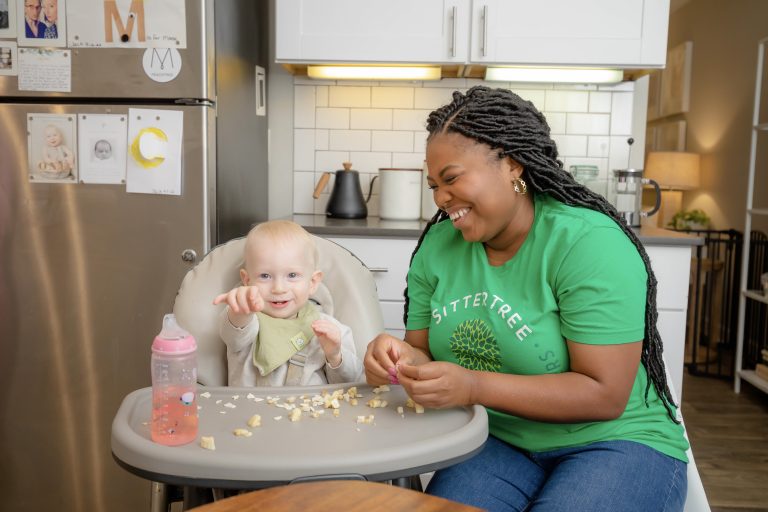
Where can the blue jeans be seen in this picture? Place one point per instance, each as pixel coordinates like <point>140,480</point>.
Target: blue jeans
<point>611,476</point>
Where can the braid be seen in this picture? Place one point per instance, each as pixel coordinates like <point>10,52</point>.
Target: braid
<point>514,127</point>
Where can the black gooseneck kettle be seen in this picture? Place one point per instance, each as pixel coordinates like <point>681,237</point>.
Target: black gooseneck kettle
<point>346,201</point>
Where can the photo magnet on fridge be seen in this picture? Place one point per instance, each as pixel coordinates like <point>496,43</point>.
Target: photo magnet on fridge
<point>7,19</point>
<point>52,148</point>
<point>102,147</point>
<point>42,23</point>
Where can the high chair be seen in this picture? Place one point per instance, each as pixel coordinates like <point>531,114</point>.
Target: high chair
<point>347,292</point>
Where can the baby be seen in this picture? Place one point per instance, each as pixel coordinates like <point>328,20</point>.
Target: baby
<point>58,160</point>
<point>274,335</point>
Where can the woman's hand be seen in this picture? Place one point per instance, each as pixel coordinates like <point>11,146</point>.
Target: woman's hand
<point>382,356</point>
<point>438,384</point>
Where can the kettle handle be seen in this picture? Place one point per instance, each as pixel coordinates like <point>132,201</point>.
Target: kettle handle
<point>370,188</point>
<point>657,190</point>
<point>322,182</point>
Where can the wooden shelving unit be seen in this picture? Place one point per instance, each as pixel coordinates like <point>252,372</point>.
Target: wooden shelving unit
<point>741,373</point>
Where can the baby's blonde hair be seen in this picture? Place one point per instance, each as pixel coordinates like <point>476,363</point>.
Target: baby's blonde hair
<point>281,230</point>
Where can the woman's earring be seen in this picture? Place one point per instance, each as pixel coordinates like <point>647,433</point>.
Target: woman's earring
<point>520,186</point>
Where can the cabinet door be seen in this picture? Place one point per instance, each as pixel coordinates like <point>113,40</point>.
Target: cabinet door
<point>432,31</point>
<point>629,33</point>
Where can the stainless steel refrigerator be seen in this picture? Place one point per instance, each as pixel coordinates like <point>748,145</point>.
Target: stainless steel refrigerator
<point>88,270</point>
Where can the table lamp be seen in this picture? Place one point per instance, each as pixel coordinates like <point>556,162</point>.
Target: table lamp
<point>674,171</point>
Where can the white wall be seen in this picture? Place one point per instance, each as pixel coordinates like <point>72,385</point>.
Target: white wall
<point>381,124</point>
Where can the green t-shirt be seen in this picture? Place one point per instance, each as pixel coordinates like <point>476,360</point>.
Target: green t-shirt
<point>576,276</point>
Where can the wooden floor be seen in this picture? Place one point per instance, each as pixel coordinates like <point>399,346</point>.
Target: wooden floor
<point>729,440</point>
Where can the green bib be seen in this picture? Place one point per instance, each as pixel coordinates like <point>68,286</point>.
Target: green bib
<point>280,338</point>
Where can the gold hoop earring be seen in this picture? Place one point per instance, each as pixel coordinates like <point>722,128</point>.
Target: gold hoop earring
<point>520,186</point>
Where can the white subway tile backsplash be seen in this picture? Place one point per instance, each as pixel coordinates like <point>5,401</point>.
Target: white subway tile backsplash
<point>566,101</point>
<point>303,149</point>
<point>450,83</point>
<point>392,97</point>
<point>349,96</point>
<point>370,161</point>
<point>600,102</point>
<point>556,121</point>
<point>382,124</point>
<point>370,119</point>
<point>621,110</point>
<point>409,119</point>
<point>392,141</point>
<point>303,107</point>
<point>431,98</point>
<point>588,124</point>
<point>321,140</point>
<point>337,118</point>
<point>408,160</point>
<point>571,145</point>
<point>349,140</point>
<point>598,146</point>
<point>420,141</point>
<point>303,187</point>
<point>321,96</point>
<point>330,160</point>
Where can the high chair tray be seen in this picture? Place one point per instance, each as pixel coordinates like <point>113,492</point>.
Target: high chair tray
<point>387,446</point>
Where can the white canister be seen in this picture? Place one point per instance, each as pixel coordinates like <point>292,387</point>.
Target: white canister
<point>428,206</point>
<point>400,191</point>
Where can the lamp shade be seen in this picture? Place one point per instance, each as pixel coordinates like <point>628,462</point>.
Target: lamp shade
<point>674,170</point>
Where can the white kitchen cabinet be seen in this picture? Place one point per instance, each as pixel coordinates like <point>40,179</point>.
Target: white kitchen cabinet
<point>631,33</point>
<point>672,266</point>
<point>352,31</point>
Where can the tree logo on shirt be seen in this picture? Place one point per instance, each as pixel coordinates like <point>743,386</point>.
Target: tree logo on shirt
<point>474,345</point>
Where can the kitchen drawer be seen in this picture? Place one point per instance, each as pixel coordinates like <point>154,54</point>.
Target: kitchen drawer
<point>387,258</point>
<point>392,311</point>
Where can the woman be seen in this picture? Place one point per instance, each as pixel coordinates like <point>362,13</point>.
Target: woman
<point>528,295</point>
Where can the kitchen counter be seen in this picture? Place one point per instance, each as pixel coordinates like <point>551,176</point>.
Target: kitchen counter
<point>380,228</point>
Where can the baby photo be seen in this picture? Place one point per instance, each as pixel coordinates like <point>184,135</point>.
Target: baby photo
<point>102,148</point>
<point>52,143</point>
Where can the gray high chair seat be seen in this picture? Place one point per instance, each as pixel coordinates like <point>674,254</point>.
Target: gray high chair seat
<point>347,292</point>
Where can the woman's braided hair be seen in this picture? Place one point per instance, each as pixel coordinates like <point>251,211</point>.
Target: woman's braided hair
<point>515,128</point>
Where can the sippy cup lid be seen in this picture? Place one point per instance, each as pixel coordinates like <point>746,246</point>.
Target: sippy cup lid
<point>173,339</point>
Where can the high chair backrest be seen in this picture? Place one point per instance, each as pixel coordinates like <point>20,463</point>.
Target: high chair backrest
<point>347,292</point>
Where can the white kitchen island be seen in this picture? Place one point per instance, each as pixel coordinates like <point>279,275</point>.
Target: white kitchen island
<point>385,247</point>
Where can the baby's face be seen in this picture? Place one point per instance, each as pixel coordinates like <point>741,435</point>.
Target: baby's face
<point>52,137</point>
<point>102,151</point>
<point>284,273</point>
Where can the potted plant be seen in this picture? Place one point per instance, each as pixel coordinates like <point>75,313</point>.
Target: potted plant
<point>690,219</point>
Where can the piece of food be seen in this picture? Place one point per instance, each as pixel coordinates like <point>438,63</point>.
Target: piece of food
<point>207,442</point>
<point>295,415</point>
<point>242,432</point>
<point>254,421</point>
